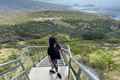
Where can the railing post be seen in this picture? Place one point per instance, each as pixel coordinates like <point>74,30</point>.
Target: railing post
<point>24,69</point>
<point>69,51</point>
<point>5,77</point>
<point>69,67</point>
<point>78,74</point>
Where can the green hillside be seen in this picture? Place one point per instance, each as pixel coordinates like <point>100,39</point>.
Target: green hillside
<point>94,39</point>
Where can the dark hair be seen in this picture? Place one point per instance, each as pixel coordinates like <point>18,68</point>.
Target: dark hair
<point>52,41</point>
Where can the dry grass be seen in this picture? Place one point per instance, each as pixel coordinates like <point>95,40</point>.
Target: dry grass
<point>5,53</point>
<point>12,18</point>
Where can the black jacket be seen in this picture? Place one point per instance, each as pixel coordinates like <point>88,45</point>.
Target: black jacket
<point>54,52</point>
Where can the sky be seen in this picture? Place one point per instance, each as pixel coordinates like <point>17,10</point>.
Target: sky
<point>101,3</point>
<point>68,2</point>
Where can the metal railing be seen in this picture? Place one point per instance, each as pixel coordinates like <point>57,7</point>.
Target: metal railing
<point>12,68</point>
<point>19,69</point>
<point>77,71</point>
<point>31,55</point>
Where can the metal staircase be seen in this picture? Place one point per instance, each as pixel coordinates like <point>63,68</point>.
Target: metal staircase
<point>33,64</point>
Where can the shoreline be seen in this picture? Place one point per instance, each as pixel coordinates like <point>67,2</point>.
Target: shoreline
<point>97,12</point>
<point>84,10</point>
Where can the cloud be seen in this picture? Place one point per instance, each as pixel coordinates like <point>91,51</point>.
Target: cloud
<point>99,3</point>
<point>68,1</point>
<point>108,3</point>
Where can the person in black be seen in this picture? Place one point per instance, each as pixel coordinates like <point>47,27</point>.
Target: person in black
<point>54,54</point>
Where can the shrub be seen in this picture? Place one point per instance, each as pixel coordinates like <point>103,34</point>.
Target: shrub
<point>92,35</point>
<point>101,59</point>
<point>12,57</point>
<point>36,42</point>
<point>113,41</point>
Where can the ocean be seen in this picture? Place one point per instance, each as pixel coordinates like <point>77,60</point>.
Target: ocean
<point>105,7</point>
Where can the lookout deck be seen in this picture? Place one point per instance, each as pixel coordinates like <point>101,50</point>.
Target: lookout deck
<point>41,71</point>
<point>33,64</point>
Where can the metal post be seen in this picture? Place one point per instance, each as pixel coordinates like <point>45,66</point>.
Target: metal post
<point>69,66</point>
<point>5,77</point>
<point>24,70</point>
<point>78,74</point>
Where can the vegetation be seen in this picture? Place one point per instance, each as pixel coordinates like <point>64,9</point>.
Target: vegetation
<point>90,36</point>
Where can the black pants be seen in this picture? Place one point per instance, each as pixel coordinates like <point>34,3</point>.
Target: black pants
<point>54,64</point>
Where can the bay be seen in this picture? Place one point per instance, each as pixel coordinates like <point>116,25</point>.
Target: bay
<point>105,7</point>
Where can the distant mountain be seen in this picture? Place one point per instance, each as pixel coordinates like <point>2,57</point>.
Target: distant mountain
<point>29,5</point>
<point>87,5</point>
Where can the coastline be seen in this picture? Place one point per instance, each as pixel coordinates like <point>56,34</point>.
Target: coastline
<point>97,12</point>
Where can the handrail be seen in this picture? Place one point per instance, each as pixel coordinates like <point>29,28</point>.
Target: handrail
<point>10,62</point>
<point>19,63</point>
<point>81,66</point>
<point>88,72</point>
<point>23,50</point>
